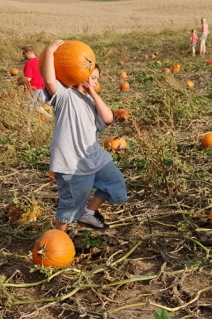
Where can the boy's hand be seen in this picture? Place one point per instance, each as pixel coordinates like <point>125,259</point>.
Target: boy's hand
<point>53,46</point>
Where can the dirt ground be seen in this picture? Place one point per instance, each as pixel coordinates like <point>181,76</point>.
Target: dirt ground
<point>143,261</point>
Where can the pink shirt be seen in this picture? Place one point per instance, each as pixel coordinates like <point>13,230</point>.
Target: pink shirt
<point>205,28</point>
<point>193,38</point>
<point>31,71</point>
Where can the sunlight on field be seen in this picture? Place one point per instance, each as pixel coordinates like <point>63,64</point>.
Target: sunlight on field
<point>67,17</point>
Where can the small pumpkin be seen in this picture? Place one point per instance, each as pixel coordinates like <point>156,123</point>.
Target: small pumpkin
<point>121,115</point>
<point>117,144</point>
<point>152,56</point>
<point>207,140</point>
<point>176,68</point>
<point>190,84</point>
<point>53,249</point>
<point>31,213</point>
<point>124,86</point>
<point>209,62</point>
<point>105,62</point>
<point>14,71</point>
<point>11,93</point>
<point>121,62</point>
<point>42,117</point>
<point>74,61</point>
<point>97,88</point>
<point>166,70</point>
<point>145,56</point>
<point>47,107</point>
<point>123,75</point>
<point>158,62</point>
<point>51,176</point>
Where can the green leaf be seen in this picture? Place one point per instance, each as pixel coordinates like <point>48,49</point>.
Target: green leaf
<point>161,314</point>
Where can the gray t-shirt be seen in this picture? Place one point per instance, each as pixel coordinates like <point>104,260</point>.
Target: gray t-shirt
<point>74,147</point>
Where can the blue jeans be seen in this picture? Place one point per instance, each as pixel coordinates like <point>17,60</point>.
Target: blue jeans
<point>75,191</point>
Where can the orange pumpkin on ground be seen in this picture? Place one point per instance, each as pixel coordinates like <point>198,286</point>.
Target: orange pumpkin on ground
<point>166,70</point>
<point>51,176</point>
<point>121,115</point>
<point>207,140</point>
<point>74,61</point>
<point>145,56</point>
<point>176,68</point>
<point>209,62</point>
<point>42,117</point>
<point>118,144</point>
<point>152,56</point>
<point>31,213</point>
<point>14,71</point>
<point>124,86</point>
<point>105,62</point>
<point>123,75</point>
<point>190,84</point>
<point>53,249</point>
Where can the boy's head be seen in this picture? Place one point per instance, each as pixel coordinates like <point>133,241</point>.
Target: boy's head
<point>28,51</point>
<point>92,80</point>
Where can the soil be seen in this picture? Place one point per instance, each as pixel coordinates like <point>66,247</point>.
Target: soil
<point>143,262</point>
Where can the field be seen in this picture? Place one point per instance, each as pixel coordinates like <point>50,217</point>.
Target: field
<point>155,259</point>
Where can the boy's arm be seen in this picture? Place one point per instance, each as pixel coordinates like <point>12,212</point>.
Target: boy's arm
<point>48,71</point>
<point>103,110</point>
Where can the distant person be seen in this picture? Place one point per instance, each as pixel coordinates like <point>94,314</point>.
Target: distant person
<point>193,40</point>
<point>32,79</point>
<point>203,37</point>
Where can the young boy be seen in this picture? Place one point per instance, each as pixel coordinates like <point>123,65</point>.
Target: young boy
<point>78,161</point>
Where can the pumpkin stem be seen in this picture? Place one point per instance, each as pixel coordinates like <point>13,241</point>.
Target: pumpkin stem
<point>41,252</point>
<point>89,64</point>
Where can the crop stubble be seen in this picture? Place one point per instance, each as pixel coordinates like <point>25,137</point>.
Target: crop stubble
<point>65,17</point>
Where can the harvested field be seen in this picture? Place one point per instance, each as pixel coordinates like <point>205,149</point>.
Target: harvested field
<point>67,17</point>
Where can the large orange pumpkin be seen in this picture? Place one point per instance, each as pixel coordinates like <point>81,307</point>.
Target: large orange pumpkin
<point>121,115</point>
<point>207,140</point>
<point>118,144</point>
<point>74,61</point>
<point>53,249</point>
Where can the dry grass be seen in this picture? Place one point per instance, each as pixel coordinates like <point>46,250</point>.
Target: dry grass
<point>92,17</point>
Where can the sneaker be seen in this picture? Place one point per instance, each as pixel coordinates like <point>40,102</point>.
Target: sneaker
<point>95,221</point>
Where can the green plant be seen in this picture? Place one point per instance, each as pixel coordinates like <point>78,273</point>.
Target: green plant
<point>161,314</point>
<point>87,240</point>
<point>35,156</point>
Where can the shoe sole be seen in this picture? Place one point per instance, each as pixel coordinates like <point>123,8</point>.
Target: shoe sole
<point>92,226</point>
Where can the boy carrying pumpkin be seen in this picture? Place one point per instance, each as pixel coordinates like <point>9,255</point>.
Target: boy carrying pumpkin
<point>79,163</point>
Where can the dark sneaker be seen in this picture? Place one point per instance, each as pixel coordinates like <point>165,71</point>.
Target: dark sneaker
<point>95,221</point>
<point>98,215</point>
